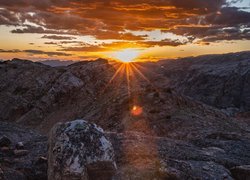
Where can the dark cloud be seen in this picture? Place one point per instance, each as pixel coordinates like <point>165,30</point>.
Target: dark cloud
<point>55,37</point>
<point>32,51</point>
<point>82,47</point>
<point>229,16</point>
<point>8,18</point>
<point>40,30</point>
<point>165,42</point>
<point>92,16</point>
<point>10,51</point>
<point>110,19</point>
<point>51,43</point>
<point>227,24</point>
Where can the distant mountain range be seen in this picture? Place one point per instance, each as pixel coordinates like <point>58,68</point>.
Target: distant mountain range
<point>38,95</point>
<point>56,63</point>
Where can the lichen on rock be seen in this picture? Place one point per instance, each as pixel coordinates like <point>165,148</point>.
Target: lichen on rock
<point>79,150</point>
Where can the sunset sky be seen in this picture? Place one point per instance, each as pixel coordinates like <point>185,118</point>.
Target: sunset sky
<point>144,30</point>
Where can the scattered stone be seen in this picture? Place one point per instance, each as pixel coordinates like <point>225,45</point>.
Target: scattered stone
<point>5,141</point>
<point>21,152</point>
<point>241,172</point>
<point>5,149</point>
<point>79,150</point>
<point>41,160</point>
<point>19,145</point>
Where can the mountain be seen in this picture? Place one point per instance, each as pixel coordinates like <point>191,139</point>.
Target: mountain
<point>222,81</point>
<point>56,63</point>
<point>38,96</point>
<point>193,112</point>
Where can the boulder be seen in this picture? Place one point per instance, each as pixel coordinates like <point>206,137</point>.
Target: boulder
<point>5,141</point>
<point>241,172</point>
<point>79,150</point>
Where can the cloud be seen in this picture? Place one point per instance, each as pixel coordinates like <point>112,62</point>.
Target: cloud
<point>33,51</point>
<point>229,23</point>
<point>165,42</point>
<point>114,46</point>
<point>40,30</point>
<point>198,20</point>
<point>10,51</point>
<point>55,37</point>
<point>88,17</point>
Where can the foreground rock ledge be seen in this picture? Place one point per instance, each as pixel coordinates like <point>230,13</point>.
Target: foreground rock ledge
<point>79,150</point>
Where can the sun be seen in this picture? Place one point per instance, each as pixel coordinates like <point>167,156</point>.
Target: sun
<point>126,55</point>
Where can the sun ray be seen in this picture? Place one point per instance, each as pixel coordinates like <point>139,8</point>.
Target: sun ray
<point>140,73</point>
<point>128,78</point>
<point>117,72</point>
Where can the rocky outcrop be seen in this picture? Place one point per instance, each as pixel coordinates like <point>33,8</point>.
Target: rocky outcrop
<point>222,81</point>
<point>36,95</point>
<point>79,150</point>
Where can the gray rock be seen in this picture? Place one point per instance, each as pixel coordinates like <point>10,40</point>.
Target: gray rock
<point>79,150</point>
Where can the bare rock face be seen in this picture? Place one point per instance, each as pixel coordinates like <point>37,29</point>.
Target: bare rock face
<point>79,150</point>
<point>222,81</point>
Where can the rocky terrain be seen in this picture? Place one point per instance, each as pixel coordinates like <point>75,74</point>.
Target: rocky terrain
<point>23,153</point>
<point>173,119</point>
<point>222,81</point>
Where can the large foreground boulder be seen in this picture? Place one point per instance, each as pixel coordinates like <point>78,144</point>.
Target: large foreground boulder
<point>79,150</point>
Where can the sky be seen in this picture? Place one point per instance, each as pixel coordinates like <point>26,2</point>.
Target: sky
<point>122,29</point>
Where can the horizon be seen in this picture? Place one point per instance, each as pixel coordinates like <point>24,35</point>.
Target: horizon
<point>110,60</point>
<point>120,30</point>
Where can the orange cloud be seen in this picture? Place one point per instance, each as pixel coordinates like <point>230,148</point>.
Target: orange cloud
<point>117,21</point>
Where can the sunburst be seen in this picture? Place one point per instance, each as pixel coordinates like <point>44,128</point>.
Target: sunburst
<point>126,55</point>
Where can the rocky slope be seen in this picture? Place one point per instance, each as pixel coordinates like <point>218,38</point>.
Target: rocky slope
<point>164,119</point>
<point>148,157</point>
<point>39,96</point>
<point>222,81</point>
